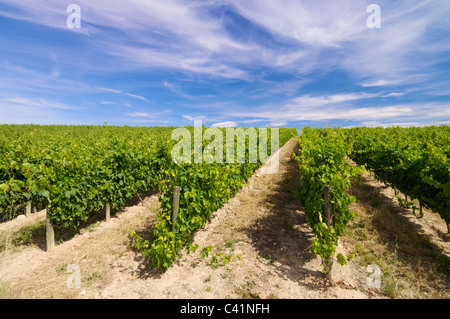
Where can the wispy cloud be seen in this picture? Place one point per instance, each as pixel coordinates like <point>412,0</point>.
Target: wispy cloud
<point>225,124</point>
<point>281,123</point>
<point>312,101</point>
<point>139,114</point>
<point>41,104</point>
<point>136,96</point>
<point>380,83</point>
<point>142,98</point>
<point>344,108</point>
<point>402,124</point>
<point>22,110</point>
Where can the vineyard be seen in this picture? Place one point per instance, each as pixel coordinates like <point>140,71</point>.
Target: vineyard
<point>411,160</point>
<point>77,172</point>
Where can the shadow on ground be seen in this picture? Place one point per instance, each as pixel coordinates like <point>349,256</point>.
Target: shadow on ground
<point>284,234</point>
<point>36,234</point>
<point>407,238</point>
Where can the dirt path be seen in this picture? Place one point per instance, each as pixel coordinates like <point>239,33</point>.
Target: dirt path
<point>260,239</point>
<point>412,252</point>
<point>264,234</point>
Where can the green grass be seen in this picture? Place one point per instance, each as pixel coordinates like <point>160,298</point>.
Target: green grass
<point>4,288</point>
<point>229,243</point>
<point>207,279</point>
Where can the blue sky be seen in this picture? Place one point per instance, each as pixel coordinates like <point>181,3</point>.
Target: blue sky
<point>230,62</point>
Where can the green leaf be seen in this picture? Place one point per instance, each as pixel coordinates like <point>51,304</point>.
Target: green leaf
<point>44,193</point>
<point>341,259</point>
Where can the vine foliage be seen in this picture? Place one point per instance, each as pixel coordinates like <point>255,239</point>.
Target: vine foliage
<point>322,162</point>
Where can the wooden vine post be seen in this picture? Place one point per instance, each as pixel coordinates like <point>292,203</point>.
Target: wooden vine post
<point>108,212</point>
<point>176,206</point>
<point>328,214</point>
<point>50,232</point>
<point>28,209</point>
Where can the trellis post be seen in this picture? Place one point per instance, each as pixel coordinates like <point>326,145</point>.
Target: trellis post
<point>50,232</point>
<point>175,206</point>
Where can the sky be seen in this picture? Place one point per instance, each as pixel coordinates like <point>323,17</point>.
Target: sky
<point>229,62</point>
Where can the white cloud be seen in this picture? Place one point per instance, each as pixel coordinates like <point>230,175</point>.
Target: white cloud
<point>311,35</point>
<point>139,114</point>
<point>40,104</point>
<point>225,124</point>
<point>374,83</point>
<point>313,101</point>
<point>402,124</point>
<point>24,110</point>
<point>323,24</point>
<point>281,123</point>
<point>337,30</point>
<point>394,94</point>
<point>171,34</point>
<point>253,121</point>
<point>437,111</point>
<point>136,96</point>
<point>172,87</point>
<point>111,90</point>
